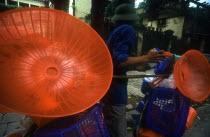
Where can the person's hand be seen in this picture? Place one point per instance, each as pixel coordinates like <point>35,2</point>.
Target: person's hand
<point>154,56</point>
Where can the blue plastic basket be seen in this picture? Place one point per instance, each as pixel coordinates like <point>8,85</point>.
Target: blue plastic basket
<point>167,112</point>
<point>89,123</point>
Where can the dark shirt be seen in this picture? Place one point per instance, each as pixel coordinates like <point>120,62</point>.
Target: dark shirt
<point>120,43</point>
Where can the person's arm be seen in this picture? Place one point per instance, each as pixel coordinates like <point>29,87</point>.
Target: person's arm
<point>121,46</point>
<point>133,61</point>
<point>152,56</point>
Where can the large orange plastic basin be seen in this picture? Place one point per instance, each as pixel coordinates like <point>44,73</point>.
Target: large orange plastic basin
<point>51,63</point>
<point>191,75</point>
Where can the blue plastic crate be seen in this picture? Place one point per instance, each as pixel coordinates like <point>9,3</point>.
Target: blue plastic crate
<point>167,112</point>
<point>89,123</point>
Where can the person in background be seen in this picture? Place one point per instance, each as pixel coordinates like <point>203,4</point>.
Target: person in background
<point>120,42</point>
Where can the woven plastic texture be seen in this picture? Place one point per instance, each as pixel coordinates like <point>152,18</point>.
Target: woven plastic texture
<point>191,75</point>
<point>51,63</point>
<point>167,112</point>
<point>89,123</point>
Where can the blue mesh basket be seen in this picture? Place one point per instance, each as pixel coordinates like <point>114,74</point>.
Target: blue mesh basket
<point>89,123</point>
<point>167,112</point>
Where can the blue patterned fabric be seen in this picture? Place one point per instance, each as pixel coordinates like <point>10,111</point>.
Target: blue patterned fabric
<point>120,43</point>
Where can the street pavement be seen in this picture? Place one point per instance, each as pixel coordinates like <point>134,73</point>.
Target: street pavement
<point>201,125</point>
<point>10,122</point>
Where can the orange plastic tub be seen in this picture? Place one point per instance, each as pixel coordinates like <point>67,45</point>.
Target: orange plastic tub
<point>191,75</point>
<point>146,132</point>
<point>191,117</point>
<point>51,63</point>
<point>4,109</point>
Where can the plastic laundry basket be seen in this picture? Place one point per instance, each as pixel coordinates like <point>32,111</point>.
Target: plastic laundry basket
<point>89,123</point>
<point>167,112</point>
<point>52,63</point>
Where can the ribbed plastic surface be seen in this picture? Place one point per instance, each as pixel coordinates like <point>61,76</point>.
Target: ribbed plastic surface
<point>4,109</point>
<point>191,75</point>
<point>51,63</point>
<point>89,123</point>
<point>167,112</point>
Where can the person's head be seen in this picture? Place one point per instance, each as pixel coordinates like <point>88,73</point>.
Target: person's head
<point>125,14</point>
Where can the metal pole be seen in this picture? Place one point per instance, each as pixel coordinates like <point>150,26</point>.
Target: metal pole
<point>140,76</point>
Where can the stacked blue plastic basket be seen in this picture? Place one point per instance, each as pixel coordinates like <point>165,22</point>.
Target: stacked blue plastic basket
<point>89,123</point>
<point>167,112</point>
